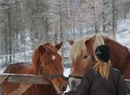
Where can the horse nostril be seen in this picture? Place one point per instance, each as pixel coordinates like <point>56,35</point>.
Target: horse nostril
<point>73,84</point>
<point>63,88</point>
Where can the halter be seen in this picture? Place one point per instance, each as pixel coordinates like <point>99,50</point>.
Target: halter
<point>75,76</point>
<point>50,77</point>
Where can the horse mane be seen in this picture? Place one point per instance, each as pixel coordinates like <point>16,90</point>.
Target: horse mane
<point>99,40</point>
<point>79,47</point>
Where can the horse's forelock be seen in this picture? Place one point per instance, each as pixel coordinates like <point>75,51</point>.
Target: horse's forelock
<point>78,48</point>
<point>50,46</point>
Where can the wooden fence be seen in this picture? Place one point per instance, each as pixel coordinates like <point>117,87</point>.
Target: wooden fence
<point>27,80</point>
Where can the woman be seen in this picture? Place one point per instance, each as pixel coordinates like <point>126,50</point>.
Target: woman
<point>102,79</point>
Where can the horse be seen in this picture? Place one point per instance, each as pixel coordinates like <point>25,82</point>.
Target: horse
<point>82,55</point>
<point>46,61</point>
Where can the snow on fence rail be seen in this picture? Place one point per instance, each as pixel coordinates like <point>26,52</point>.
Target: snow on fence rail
<point>27,80</point>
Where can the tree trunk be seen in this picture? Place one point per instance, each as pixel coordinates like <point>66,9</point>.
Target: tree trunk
<point>95,22</point>
<point>113,19</point>
<point>103,19</point>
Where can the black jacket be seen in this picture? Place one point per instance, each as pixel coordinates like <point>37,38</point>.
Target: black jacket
<point>94,84</point>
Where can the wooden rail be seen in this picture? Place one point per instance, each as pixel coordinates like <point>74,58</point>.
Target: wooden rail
<point>128,83</point>
<point>26,80</point>
<point>22,78</point>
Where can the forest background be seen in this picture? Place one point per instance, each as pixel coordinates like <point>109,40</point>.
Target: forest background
<point>24,24</point>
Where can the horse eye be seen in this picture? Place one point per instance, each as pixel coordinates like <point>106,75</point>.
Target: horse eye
<point>45,63</point>
<point>85,57</point>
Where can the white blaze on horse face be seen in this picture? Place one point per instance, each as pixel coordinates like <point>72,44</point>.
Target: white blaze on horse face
<point>53,57</point>
<point>73,83</point>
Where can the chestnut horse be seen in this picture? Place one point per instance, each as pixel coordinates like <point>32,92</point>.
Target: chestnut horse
<point>46,61</point>
<point>82,55</point>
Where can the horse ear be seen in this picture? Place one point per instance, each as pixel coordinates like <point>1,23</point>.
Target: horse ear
<point>41,49</point>
<point>89,44</point>
<point>58,46</point>
<point>70,41</point>
<point>91,40</point>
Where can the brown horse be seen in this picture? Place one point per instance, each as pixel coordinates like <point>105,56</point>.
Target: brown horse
<point>82,55</point>
<point>46,61</point>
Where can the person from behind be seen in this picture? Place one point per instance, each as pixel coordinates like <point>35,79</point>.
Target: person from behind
<point>101,79</point>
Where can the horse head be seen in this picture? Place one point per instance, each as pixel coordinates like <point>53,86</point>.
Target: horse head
<point>48,62</point>
<point>82,56</point>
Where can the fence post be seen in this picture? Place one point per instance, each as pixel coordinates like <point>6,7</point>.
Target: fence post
<point>0,90</point>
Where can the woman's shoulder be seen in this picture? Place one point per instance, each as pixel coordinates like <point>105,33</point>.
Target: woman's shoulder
<point>115,71</point>
<point>90,72</point>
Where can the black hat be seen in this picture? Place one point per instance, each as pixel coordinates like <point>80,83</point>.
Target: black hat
<point>103,53</point>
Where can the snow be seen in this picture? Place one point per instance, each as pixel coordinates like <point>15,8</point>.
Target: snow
<point>123,32</point>
<point>122,36</point>
<point>66,72</point>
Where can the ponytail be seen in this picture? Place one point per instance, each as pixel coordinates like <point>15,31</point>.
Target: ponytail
<point>102,68</point>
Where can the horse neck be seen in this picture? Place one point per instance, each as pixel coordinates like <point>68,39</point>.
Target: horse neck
<point>120,56</point>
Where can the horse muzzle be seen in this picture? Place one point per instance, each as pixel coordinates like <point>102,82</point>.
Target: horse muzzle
<point>73,83</point>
